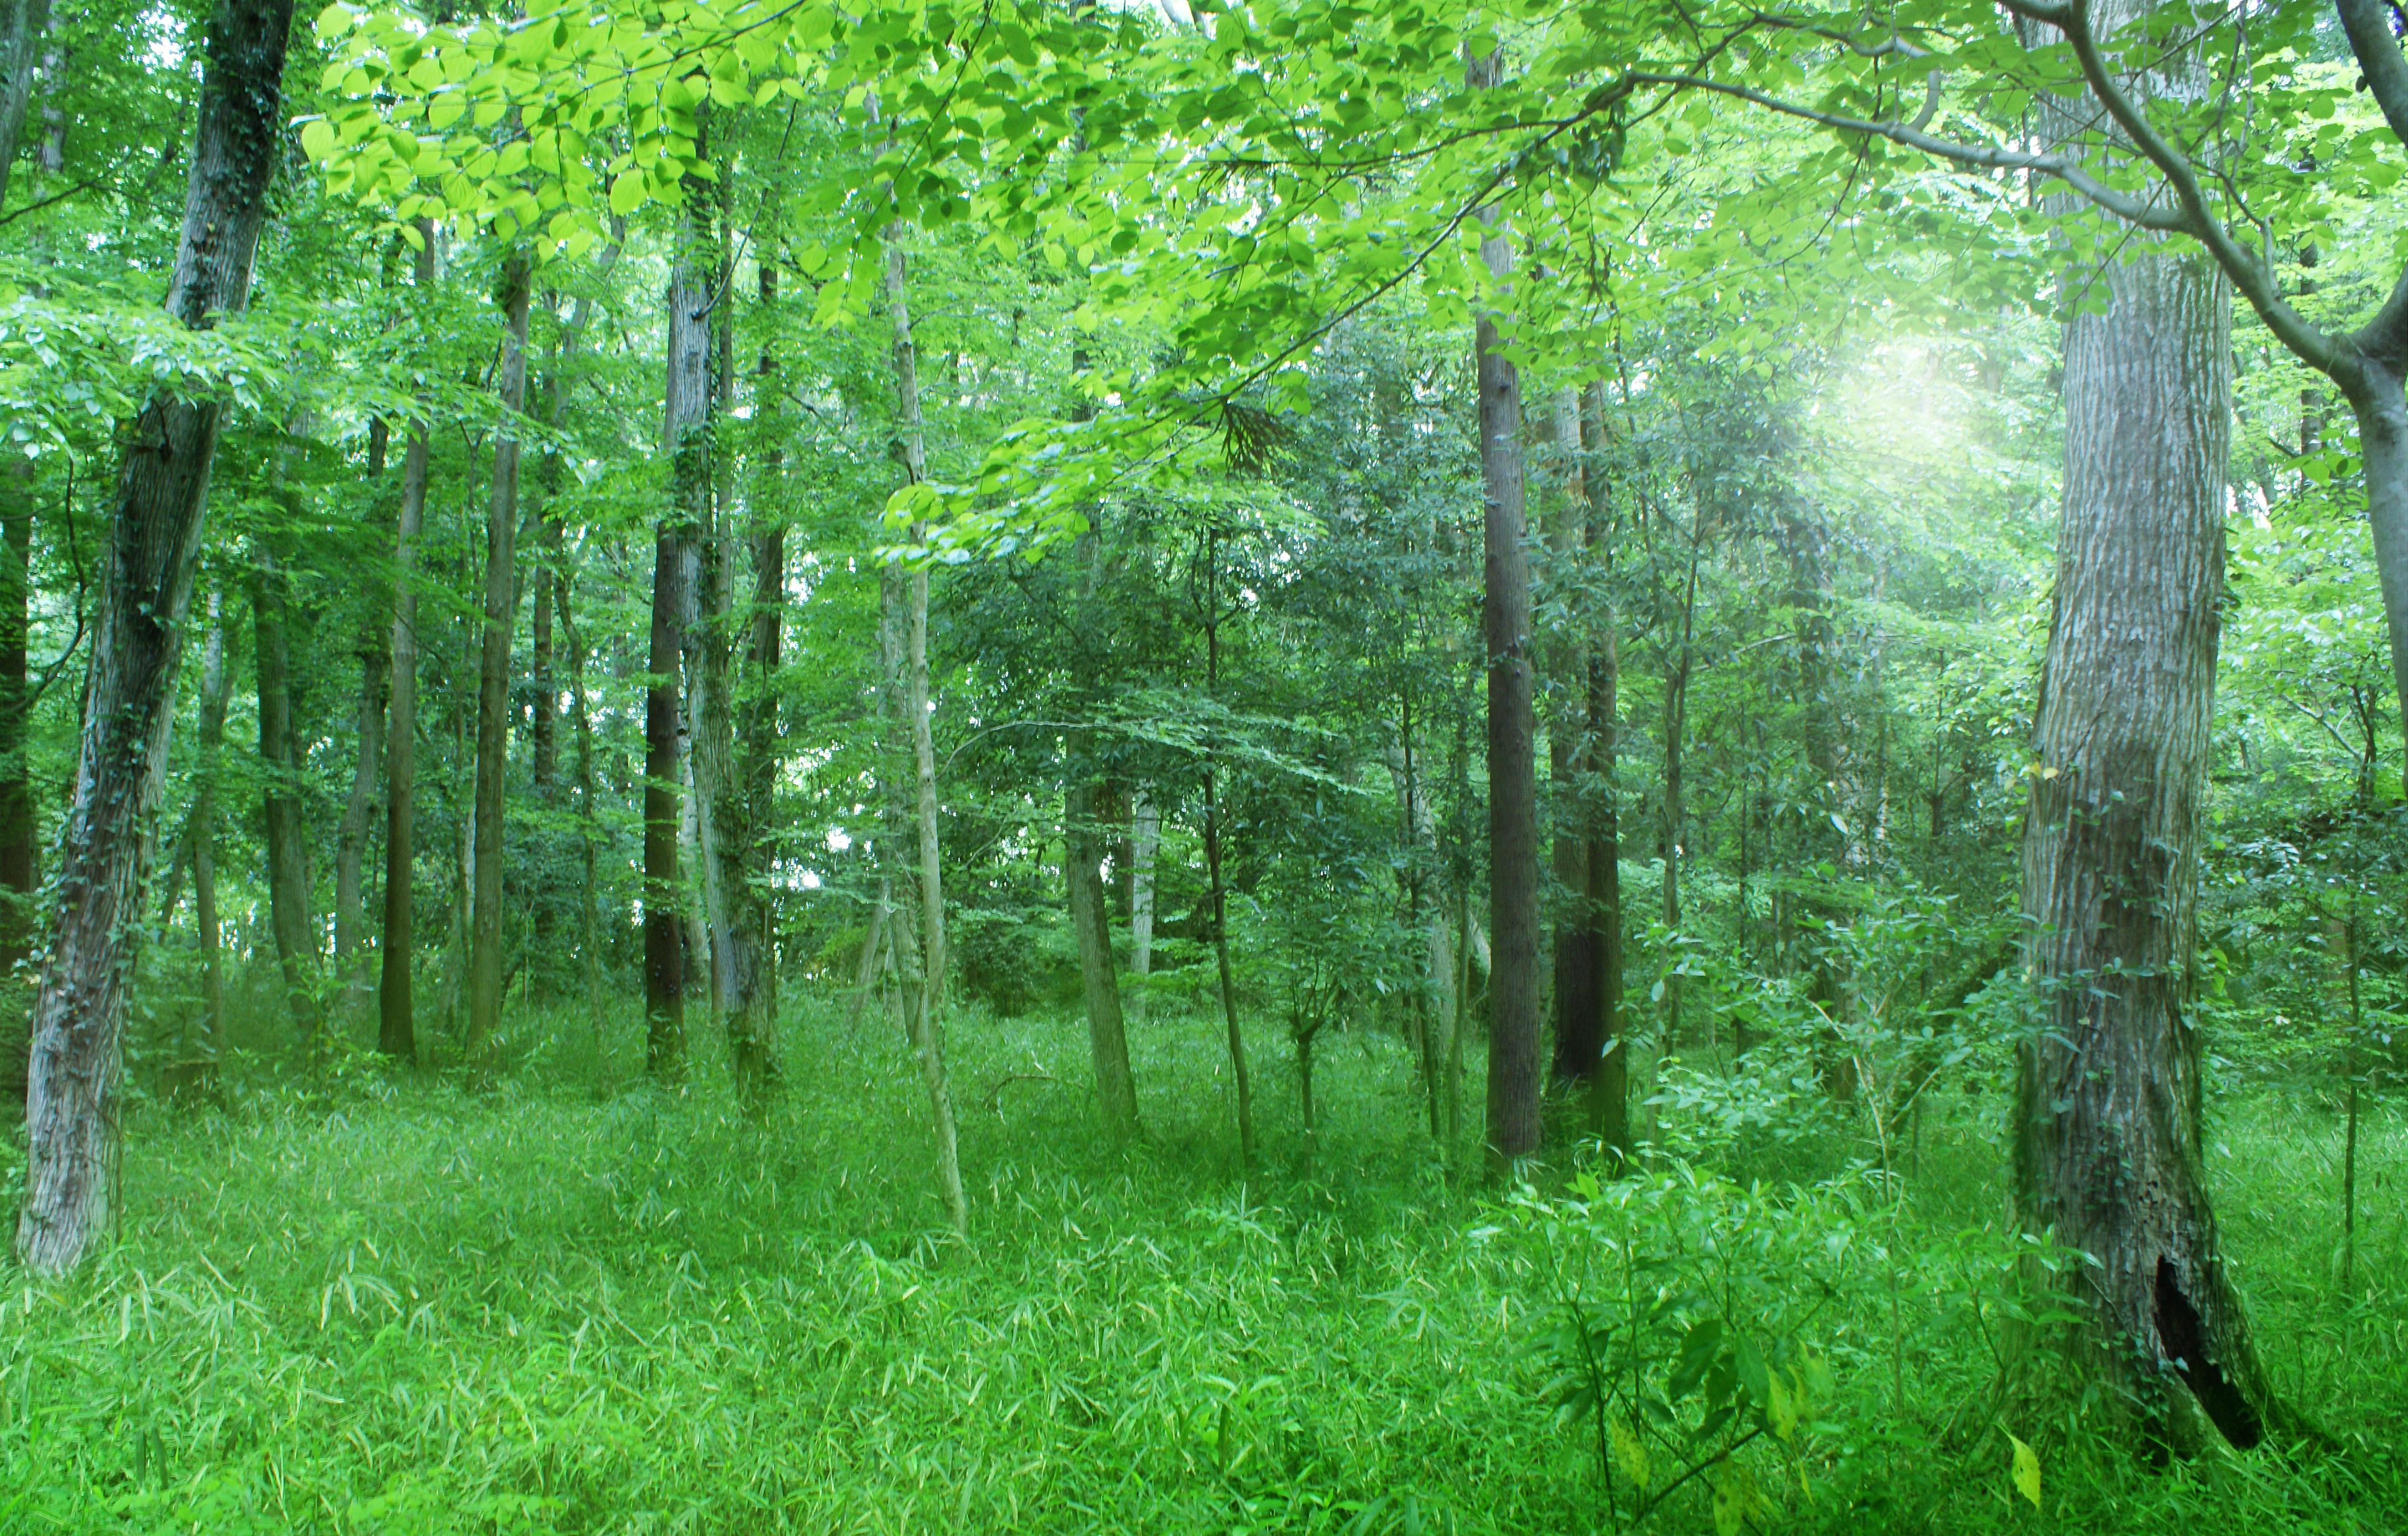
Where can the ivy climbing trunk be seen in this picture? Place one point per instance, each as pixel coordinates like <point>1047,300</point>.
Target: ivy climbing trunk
<point>16,864</point>
<point>493,671</point>
<point>71,1106</point>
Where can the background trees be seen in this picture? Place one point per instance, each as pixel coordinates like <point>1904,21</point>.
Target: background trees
<point>893,507</point>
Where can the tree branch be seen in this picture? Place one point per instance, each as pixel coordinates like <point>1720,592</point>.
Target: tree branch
<point>2367,21</point>
<point>1987,156</point>
<point>2255,281</point>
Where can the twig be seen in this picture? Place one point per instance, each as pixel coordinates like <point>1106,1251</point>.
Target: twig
<point>995,1095</point>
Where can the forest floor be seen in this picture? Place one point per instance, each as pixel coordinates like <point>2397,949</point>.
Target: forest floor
<point>393,1307</point>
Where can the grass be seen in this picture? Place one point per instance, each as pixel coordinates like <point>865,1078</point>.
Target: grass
<point>390,1307</point>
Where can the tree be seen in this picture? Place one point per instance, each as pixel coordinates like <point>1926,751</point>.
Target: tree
<point>396,1019</point>
<point>1514,1064</point>
<point>71,1106</point>
<point>494,672</point>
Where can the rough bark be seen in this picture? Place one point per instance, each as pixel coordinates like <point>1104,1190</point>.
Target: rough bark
<point>2108,1153</point>
<point>396,1024</point>
<point>493,671</point>
<point>146,589</point>
<point>285,833</point>
<point>1513,1069</point>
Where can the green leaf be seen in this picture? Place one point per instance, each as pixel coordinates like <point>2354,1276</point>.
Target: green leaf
<point>2025,1470</point>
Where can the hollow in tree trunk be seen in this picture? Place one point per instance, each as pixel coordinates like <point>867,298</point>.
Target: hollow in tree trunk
<point>2108,1102</point>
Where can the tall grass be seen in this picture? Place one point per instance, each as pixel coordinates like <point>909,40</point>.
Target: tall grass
<point>385,1306</point>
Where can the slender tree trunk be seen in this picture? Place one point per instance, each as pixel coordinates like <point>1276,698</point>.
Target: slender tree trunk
<point>753,1013</point>
<point>1144,842</point>
<point>396,1019</point>
<point>687,438</point>
<point>590,937</point>
<point>1609,1082</point>
<point>2108,1142</point>
<point>1106,1040</point>
<point>1676,809</point>
<point>286,836</point>
<point>1571,759</point>
<point>1237,1040</point>
<point>201,831</point>
<point>17,861</point>
<point>352,837</point>
<point>929,1013</point>
<point>494,672</point>
<point>145,588</point>
<point>21,25</point>
<point>1513,1071</point>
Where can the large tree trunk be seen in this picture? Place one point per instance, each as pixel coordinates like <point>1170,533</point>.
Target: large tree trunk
<point>1513,1071</point>
<point>145,588</point>
<point>494,672</point>
<point>396,1022</point>
<point>2108,1105</point>
<point>283,826</point>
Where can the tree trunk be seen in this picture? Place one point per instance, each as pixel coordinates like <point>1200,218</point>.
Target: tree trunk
<point>753,1007</point>
<point>1237,1040</point>
<point>1609,1082</point>
<point>1676,810</point>
<point>2108,1110</point>
<point>1571,757</point>
<point>1106,1040</point>
<point>494,672</point>
<point>21,25</point>
<point>16,864</point>
<point>352,837</point>
<point>1514,1072</point>
<point>590,937</point>
<point>1144,842</point>
<point>201,832</point>
<point>285,833</point>
<point>396,1020</point>
<point>145,588</point>
<point>686,434</point>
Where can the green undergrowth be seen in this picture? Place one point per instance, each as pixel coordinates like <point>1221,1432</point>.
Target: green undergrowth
<point>389,1306</point>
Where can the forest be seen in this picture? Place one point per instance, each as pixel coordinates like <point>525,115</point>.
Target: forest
<point>1235,766</point>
